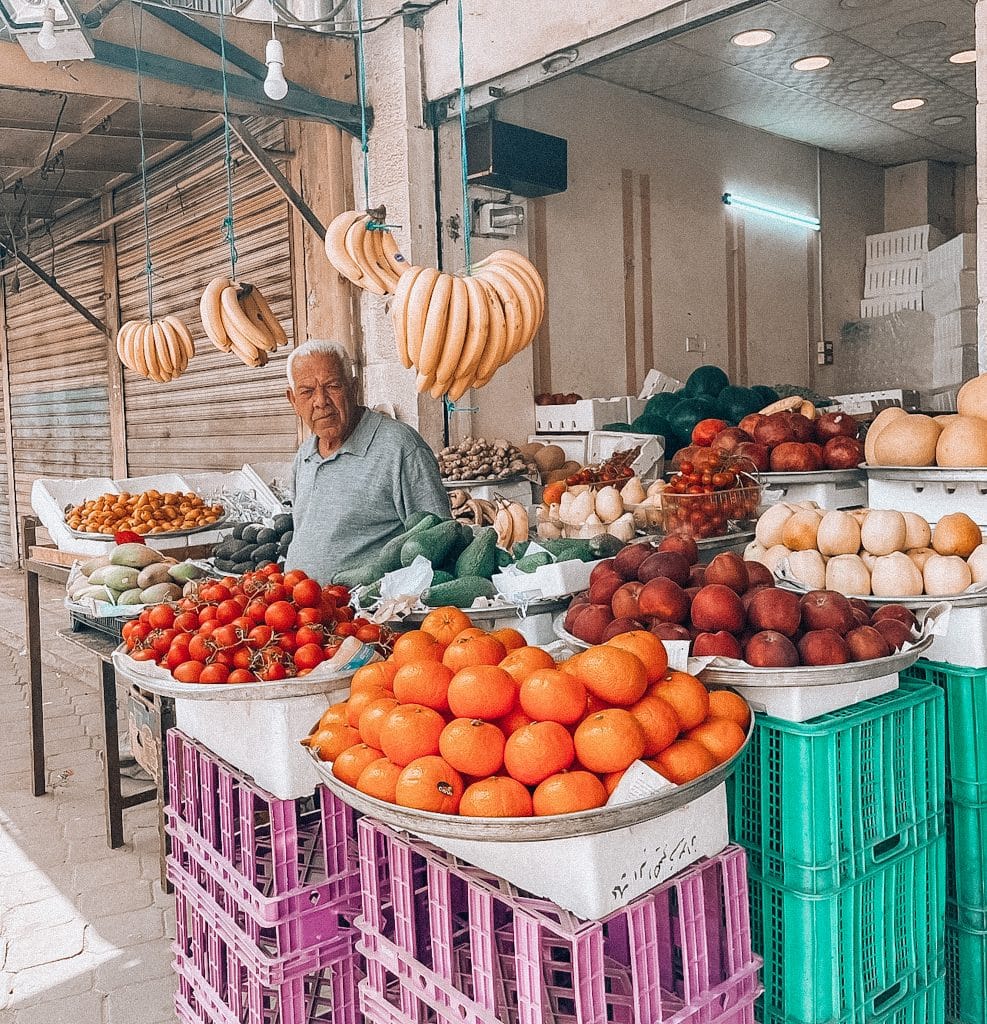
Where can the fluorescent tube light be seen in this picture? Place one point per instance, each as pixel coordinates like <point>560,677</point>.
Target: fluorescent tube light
<point>755,206</point>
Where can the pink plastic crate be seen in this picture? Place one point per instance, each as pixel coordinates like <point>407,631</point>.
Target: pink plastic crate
<point>265,852</point>
<point>441,938</point>
<point>221,981</point>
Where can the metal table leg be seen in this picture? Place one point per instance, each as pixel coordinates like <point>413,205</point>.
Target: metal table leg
<point>111,756</point>
<point>32,633</point>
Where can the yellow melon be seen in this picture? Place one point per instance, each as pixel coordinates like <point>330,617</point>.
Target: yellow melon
<point>881,420</point>
<point>972,397</point>
<point>963,442</point>
<point>908,441</point>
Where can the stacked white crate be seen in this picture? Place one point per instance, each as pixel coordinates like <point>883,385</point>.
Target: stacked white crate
<point>950,295</point>
<point>895,270</point>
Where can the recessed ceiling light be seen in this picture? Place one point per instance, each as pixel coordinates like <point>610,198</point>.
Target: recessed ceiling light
<point>963,57</point>
<point>865,84</point>
<point>948,121</point>
<point>816,63</point>
<point>911,103</point>
<point>753,37</point>
<point>921,29</point>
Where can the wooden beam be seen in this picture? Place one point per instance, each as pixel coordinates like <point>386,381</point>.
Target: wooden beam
<point>105,129</point>
<point>59,290</point>
<point>114,368</point>
<point>271,169</point>
<point>8,429</point>
<point>211,41</point>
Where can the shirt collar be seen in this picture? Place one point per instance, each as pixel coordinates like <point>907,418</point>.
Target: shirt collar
<point>358,443</point>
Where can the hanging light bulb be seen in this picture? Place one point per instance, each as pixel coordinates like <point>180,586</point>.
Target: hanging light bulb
<point>46,37</point>
<point>275,85</point>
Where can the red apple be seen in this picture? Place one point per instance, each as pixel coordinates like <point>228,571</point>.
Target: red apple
<point>866,643</point>
<point>697,576</point>
<point>759,455</point>
<point>685,546</point>
<point>749,423</point>
<point>894,631</point>
<point>720,644</point>
<point>729,440</point>
<point>578,602</point>
<point>590,623</point>
<point>823,647</point>
<point>774,430</point>
<point>705,430</point>
<point>669,631</point>
<point>603,584</point>
<point>629,559</point>
<point>759,574</point>
<point>862,618</point>
<point>618,626</point>
<point>835,424</point>
<point>803,429</point>
<point>624,603</point>
<point>776,610</point>
<point>793,457</point>
<point>825,609</point>
<point>669,564</point>
<point>769,649</point>
<point>718,607</point>
<point>663,599</point>
<point>729,569</point>
<point>895,611</point>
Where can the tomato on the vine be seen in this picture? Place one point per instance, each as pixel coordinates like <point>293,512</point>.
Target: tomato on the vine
<point>280,616</point>
<point>308,656</point>
<point>243,657</point>
<point>162,616</point>
<point>215,673</point>
<point>369,634</point>
<point>346,629</point>
<point>187,622</point>
<point>294,577</point>
<point>260,636</point>
<point>227,611</point>
<point>189,671</point>
<point>273,672</point>
<point>330,650</point>
<point>200,649</point>
<point>242,675</point>
<point>313,634</point>
<point>336,593</point>
<point>226,636</point>
<point>144,654</point>
<point>306,594</point>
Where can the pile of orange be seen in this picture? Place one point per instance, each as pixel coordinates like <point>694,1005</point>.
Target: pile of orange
<point>458,720</point>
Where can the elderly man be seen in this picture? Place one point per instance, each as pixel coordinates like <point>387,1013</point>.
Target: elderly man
<point>362,474</point>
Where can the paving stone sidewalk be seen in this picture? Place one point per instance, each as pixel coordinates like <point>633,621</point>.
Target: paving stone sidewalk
<point>85,931</point>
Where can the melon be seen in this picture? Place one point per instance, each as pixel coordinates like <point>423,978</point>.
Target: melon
<point>908,441</point>
<point>881,420</point>
<point>963,442</point>
<point>972,397</point>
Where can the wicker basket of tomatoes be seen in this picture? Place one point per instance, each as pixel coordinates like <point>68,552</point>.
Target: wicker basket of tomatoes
<point>700,501</point>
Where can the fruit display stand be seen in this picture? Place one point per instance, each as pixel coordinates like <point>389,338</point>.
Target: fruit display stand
<point>931,492</point>
<point>513,489</point>
<point>829,488</point>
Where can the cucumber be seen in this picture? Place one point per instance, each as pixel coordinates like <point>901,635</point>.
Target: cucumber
<point>531,562</point>
<point>387,559</point>
<point>460,593</point>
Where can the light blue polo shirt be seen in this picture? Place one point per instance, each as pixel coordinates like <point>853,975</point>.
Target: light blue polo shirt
<point>349,504</point>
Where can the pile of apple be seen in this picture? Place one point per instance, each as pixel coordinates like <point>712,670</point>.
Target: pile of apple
<point>730,608</point>
<point>783,442</point>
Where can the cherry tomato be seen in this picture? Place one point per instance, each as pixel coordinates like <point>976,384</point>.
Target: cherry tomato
<point>369,634</point>
<point>273,672</point>
<point>288,641</point>
<point>226,636</point>
<point>242,675</point>
<point>344,615</point>
<point>310,635</point>
<point>275,592</point>
<point>330,650</point>
<point>346,629</point>
<point>291,579</point>
<point>255,611</point>
<point>308,656</point>
<point>260,636</point>
<point>215,673</point>
<point>189,671</point>
<point>280,616</point>
<point>141,631</point>
<point>128,628</point>
<point>307,594</point>
<point>187,622</point>
<point>227,611</point>
<point>243,625</point>
<point>208,627</point>
<point>216,593</point>
<point>243,657</point>
<point>162,616</point>
<point>161,640</point>
<point>336,593</point>
<point>144,654</point>
<point>177,655</point>
<point>200,649</point>
<point>207,612</point>
<point>309,616</point>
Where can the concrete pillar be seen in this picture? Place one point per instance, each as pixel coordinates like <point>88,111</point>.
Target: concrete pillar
<point>981,15</point>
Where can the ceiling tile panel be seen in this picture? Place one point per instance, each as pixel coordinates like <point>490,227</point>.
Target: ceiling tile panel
<point>723,88</point>
<point>903,30</point>
<point>833,15</point>
<point>651,68</point>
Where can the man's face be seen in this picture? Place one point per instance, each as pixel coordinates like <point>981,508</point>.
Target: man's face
<point>324,399</point>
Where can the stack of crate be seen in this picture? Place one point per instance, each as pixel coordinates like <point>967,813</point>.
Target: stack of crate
<point>894,273</point>
<point>446,943</point>
<point>950,295</point>
<point>842,819</point>
<point>965,691</point>
<point>265,895</point>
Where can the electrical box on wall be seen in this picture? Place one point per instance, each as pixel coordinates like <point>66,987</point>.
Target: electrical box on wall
<point>516,159</point>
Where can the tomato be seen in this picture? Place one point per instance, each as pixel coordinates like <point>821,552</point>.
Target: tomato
<point>260,636</point>
<point>208,628</point>
<point>162,640</point>
<point>308,656</point>
<point>296,576</point>
<point>275,592</point>
<point>187,622</point>
<point>215,593</point>
<point>226,636</point>
<point>330,650</point>
<point>288,641</point>
<point>243,657</point>
<point>274,672</point>
<point>128,628</point>
<point>369,634</point>
<point>280,616</point>
<point>227,611</point>
<point>189,671</point>
<point>145,654</point>
<point>214,674</point>
<point>309,616</point>
<point>241,675</point>
<point>141,631</point>
<point>243,625</point>
<point>336,593</point>
<point>200,649</point>
<point>344,614</point>
<point>162,616</point>
<point>207,612</point>
<point>310,635</point>
<point>346,629</point>
<point>255,611</point>
<point>307,594</point>
<point>177,655</point>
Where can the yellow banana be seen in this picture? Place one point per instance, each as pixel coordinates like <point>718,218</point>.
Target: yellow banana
<point>354,242</point>
<point>384,270</point>
<point>434,334</point>
<point>455,336</point>
<point>176,351</point>
<point>162,357</point>
<point>522,524</point>
<point>123,338</point>
<point>477,328</point>
<point>368,261</point>
<point>210,312</point>
<point>184,336</point>
<point>395,260</point>
<point>336,245</point>
<point>523,264</point>
<point>248,303</point>
<point>504,324</point>
<point>399,313</point>
<point>238,325</point>
<point>512,294</point>
<point>246,352</point>
<point>139,351</point>
<point>271,322</point>
<point>418,303</point>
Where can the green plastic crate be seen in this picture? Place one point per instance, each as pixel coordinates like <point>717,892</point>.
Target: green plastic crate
<point>926,1006</point>
<point>966,975</point>
<point>850,956</point>
<point>966,866</point>
<point>966,725</point>
<point>817,804</point>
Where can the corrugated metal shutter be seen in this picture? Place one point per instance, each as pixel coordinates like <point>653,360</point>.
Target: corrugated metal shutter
<point>59,410</point>
<point>219,413</point>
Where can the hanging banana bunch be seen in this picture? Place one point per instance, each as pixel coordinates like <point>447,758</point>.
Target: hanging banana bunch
<point>157,349</point>
<point>237,318</point>
<point>369,258</point>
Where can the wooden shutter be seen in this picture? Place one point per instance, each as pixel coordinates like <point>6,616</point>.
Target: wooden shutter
<point>219,413</point>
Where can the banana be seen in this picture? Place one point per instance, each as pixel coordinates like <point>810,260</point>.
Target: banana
<point>434,335</point>
<point>511,293</point>
<point>138,350</point>
<point>336,245</point>
<point>488,510</point>
<point>456,324</point>
<point>368,249</point>
<point>184,336</point>
<point>791,404</point>
<point>389,245</point>
<point>808,410</point>
<point>246,352</point>
<point>379,261</point>
<point>271,322</point>
<point>238,325</point>
<point>503,524</point>
<point>123,342</point>
<point>158,373</point>
<point>477,327</point>
<point>399,314</point>
<point>251,311</point>
<point>527,295</point>
<point>354,240</point>
<point>497,338</point>
<point>210,312</point>
<point>522,263</point>
<point>162,357</point>
<point>418,306</point>
<point>424,382</point>
<point>176,351</point>
<point>458,498</point>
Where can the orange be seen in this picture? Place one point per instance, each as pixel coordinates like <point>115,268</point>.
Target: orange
<point>608,741</point>
<point>482,691</point>
<point>415,645</point>
<point>376,675</point>
<point>513,721</point>
<point>472,747</point>
<point>722,737</point>
<point>612,780</point>
<point>379,778</point>
<point>358,701</point>
<point>331,741</point>
<point>683,761</point>
<point>552,696</point>
<point>552,494</point>
<point>445,624</point>
<point>688,697</point>
<point>350,764</point>
<point>647,648</point>
<point>472,631</point>
<point>467,650</point>
<point>423,682</point>
<point>510,638</point>
<point>594,704</point>
<point>410,731</point>
<point>727,704</point>
<point>536,751</point>
<point>568,792</point>
<point>610,673</point>
<point>335,714</point>
<point>429,784</point>
<point>372,718</point>
<point>659,722</point>
<point>522,662</point>
<point>496,797</point>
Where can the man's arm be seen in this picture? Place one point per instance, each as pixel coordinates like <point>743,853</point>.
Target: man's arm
<point>421,488</point>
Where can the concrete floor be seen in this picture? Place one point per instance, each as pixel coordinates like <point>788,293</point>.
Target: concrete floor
<point>85,931</point>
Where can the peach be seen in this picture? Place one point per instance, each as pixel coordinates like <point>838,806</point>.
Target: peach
<point>697,576</point>
<point>758,454</point>
<point>684,546</point>
<point>619,626</point>
<point>663,599</point>
<point>769,649</point>
<point>728,569</point>
<point>895,611</point>
<point>759,575</point>
<point>629,560</point>
<point>774,609</point>
<point>823,647</point>
<point>590,623</point>
<point>825,609</point>
<point>894,631</point>
<point>718,607</point>
<point>669,631</point>
<point>749,423</point>
<point>624,603</point>
<point>720,644</point>
<point>603,584</point>
<point>669,564</point>
<point>866,643</point>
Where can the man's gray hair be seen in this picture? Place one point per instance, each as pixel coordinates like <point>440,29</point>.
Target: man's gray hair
<point>321,347</point>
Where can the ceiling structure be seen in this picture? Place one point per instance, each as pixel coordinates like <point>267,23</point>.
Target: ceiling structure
<point>882,51</point>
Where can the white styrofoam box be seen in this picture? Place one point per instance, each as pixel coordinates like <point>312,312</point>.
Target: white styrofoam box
<point>940,399</point>
<point>904,244</point>
<point>862,403</point>
<point>800,703</point>
<point>558,579</point>
<point>953,363</point>
<point>513,490</point>
<point>930,499</point>
<point>896,278</point>
<point>594,875</point>
<point>574,445</point>
<point>965,639</point>
<point>955,329</point>
<point>951,293</point>
<point>844,494</point>
<point>656,382</point>
<point>635,406</point>
<point>260,737</point>
<point>582,416</point>
<point>885,305</point>
<point>650,464</point>
<point>952,257</point>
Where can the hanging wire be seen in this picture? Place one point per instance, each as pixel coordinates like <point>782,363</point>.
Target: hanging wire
<point>361,71</point>
<point>229,231</point>
<point>467,215</point>
<point>138,27</point>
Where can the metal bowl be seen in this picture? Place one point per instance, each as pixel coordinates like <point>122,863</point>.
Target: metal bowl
<point>821,476</point>
<point>108,537</point>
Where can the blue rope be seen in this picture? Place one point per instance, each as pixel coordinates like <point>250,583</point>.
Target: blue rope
<point>452,407</point>
<point>467,217</point>
<point>361,72</point>
<point>229,231</point>
<point>148,265</point>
